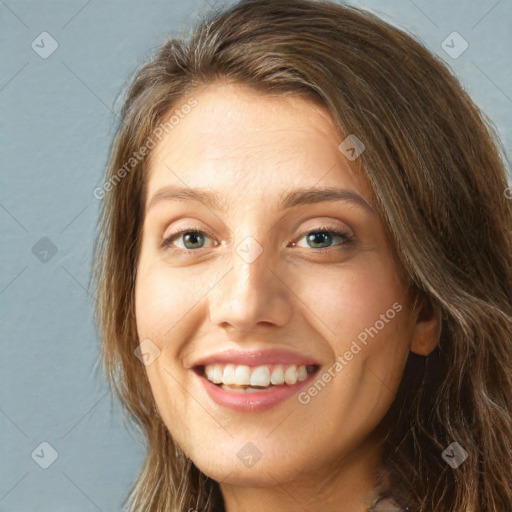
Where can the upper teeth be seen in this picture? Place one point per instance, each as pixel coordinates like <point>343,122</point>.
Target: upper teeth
<point>243,375</point>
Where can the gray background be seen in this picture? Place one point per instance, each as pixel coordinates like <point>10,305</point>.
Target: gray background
<point>57,122</point>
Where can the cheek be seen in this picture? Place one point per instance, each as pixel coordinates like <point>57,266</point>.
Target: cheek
<point>162,299</point>
<point>348,302</point>
<point>163,296</point>
<point>157,301</point>
<point>361,313</point>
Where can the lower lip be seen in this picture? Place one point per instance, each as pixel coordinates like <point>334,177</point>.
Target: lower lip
<point>257,401</point>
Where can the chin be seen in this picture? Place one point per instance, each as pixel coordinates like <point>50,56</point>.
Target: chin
<point>243,463</point>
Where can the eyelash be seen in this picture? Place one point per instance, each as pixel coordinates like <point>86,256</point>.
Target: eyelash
<point>348,239</point>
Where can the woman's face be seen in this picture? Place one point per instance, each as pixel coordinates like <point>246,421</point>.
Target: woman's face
<point>276,274</point>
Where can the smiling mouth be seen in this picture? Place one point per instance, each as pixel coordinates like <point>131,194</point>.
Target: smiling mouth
<point>251,379</point>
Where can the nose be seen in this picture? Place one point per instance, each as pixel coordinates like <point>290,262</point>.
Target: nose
<point>254,291</point>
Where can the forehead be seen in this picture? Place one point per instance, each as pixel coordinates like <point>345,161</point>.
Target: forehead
<point>247,143</point>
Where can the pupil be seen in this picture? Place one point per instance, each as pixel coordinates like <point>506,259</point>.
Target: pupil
<point>314,237</point>
<point>190,236</point>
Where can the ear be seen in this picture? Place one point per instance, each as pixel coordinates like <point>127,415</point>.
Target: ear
<point>427,328</point>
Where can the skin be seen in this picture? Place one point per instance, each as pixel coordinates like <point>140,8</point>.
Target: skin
<point>249,148</point>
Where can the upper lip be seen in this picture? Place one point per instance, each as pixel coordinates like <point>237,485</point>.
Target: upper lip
<point>253,358</point>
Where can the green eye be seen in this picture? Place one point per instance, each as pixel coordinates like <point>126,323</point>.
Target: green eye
<point>322,237</point>
<point>193,239</point>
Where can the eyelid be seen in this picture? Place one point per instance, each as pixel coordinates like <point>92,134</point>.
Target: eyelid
<point>345,233</point>
<point>167,240</point>
<point>316,227</point>
<point>187,227</point>
<point>326,226</point>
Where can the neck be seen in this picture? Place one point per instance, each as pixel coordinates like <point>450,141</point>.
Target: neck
<point>343,486</point>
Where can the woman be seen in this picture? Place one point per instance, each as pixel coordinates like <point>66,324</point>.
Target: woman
<point>304,271</point>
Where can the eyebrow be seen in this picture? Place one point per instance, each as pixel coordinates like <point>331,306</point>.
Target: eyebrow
<point>300,196</point>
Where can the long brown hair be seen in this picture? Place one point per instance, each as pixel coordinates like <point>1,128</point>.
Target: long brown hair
<point>435,166</point>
